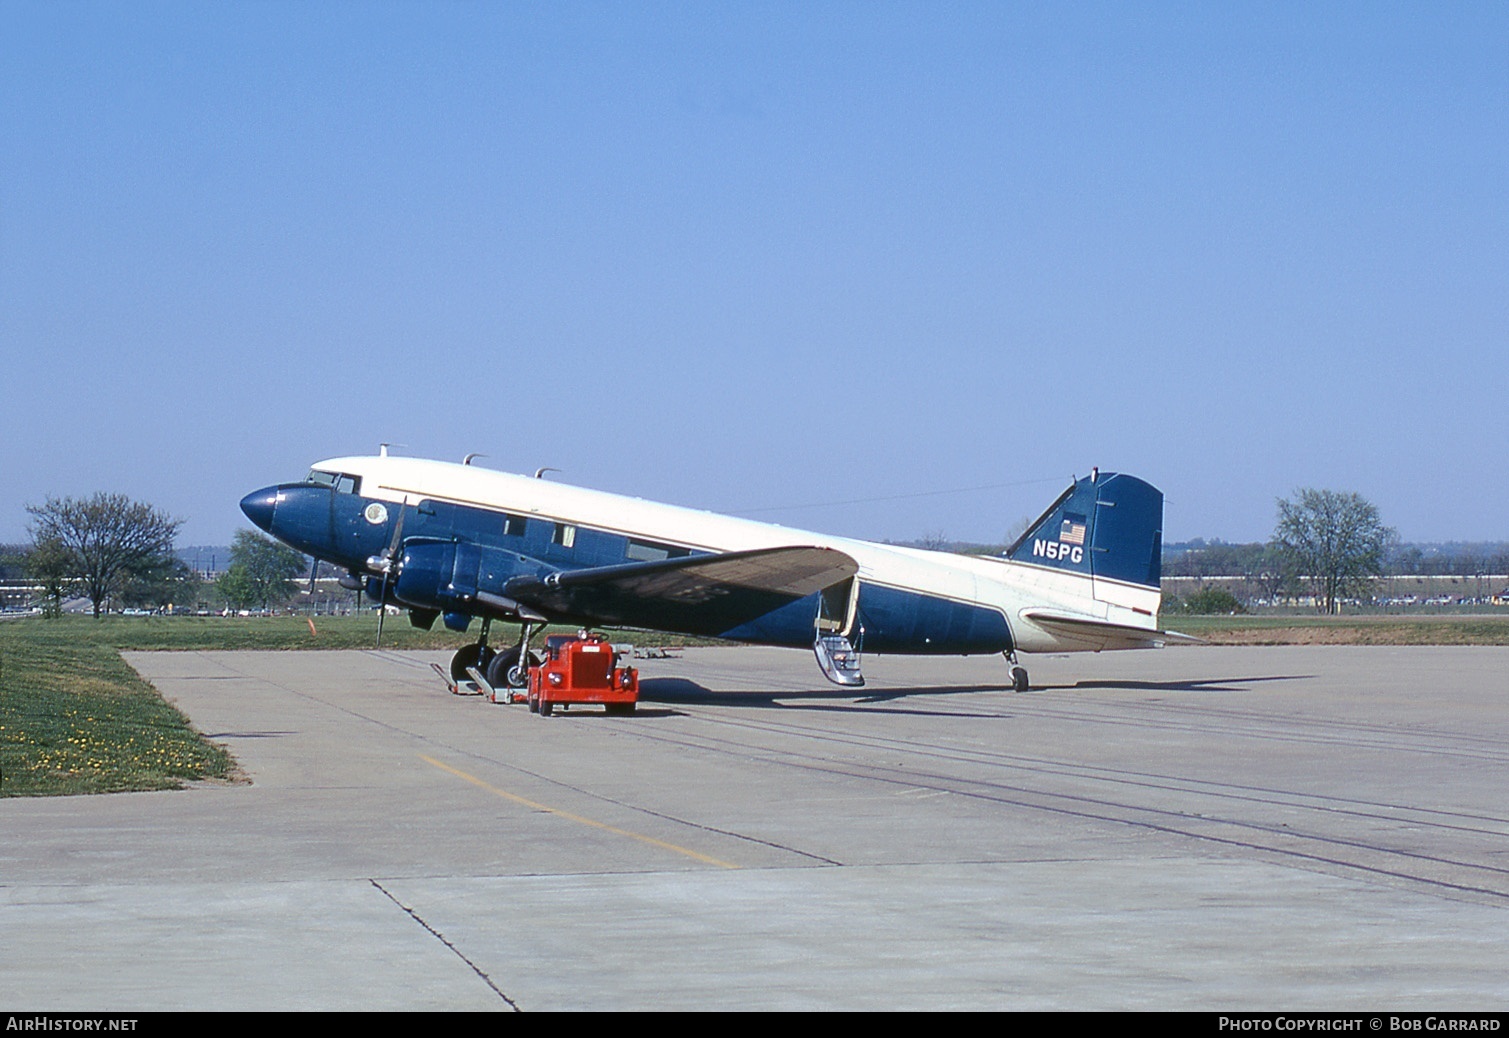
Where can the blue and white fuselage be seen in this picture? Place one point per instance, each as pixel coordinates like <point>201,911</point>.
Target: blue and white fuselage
<point>456,541</point>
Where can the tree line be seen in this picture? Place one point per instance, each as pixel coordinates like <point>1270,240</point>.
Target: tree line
<point>1200,558</point>
<point>110,549</point>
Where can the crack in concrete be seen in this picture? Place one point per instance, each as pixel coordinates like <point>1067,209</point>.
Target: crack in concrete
<point>443,940</point>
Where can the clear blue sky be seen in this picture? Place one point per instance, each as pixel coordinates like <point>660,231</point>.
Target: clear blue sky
<point>747,256</point>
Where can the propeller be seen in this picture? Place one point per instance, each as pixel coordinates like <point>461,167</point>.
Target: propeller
<point>389,564</point>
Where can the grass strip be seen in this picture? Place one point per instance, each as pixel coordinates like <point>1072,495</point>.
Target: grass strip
<point>76,719</point>
<point>1344,630</point>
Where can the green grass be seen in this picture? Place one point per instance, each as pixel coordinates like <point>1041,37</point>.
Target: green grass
<point>210,633</point>
<point>1344,630</point>
<point>74,718</point>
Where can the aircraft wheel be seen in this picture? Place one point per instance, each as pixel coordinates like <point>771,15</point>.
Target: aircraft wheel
<point>518,677</point>
<point>1019,678</point>
<point>473,655</point>
<point>505,672</point>
<point>499,670</point>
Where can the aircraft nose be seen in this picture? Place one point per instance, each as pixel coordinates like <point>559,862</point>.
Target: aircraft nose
<point>259,505</point>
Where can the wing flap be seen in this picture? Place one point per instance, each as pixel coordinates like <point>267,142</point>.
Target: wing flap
<point>703,594</point>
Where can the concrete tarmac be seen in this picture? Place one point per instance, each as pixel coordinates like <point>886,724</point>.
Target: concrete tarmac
<point>1198,828</point>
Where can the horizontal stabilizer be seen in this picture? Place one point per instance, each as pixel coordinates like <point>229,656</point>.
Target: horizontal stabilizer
<point>701,594</point>
<point>1103,633</point>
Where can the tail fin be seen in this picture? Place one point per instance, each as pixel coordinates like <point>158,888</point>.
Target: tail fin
<point>1107,525</point>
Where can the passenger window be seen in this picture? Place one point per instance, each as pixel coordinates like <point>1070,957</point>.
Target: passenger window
<point>565,535</point>
<point>649,551</point>
<point>643,551</point>
<point>513,525</point>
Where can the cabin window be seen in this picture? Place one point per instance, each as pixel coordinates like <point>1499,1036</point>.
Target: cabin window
<point>649,551</point>
<point>324,479</point>
<point>513,525</point>
<point>565,535</point>
<point>643,551</point>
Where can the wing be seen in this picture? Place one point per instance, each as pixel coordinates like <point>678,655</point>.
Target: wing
<point>702,594</point>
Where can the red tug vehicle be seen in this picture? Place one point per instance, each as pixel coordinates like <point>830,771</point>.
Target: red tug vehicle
<point>581,669</point>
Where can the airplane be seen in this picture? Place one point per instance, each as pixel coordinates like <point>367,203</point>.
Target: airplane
<point>460,542</point>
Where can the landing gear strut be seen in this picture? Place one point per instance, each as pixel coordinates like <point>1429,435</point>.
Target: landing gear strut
<point>1018,672</point>
<point>510,668</point>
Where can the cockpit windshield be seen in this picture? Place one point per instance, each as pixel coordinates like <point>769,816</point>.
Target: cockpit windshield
<point>343,483</point>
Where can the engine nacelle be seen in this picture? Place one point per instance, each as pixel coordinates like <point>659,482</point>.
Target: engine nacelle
<point>461,578</point>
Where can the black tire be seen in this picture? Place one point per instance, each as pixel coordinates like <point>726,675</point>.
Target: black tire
<point>1019,678</point>
<point>546,709</point>
<point>473,655</point>
<point>503,671</point>
<point>497,669</point>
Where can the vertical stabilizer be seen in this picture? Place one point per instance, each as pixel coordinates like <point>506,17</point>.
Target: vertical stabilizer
<point>1107,525</point>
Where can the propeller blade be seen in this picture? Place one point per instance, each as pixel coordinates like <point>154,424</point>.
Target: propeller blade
<point>391,554</point>
<point>382,608</point>
<point>397,540</point>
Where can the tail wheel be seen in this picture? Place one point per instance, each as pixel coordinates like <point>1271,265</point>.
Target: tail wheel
<point>1019,678</point>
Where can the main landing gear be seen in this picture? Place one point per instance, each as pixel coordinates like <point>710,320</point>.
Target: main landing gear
<point>1018,672</point>
<point>510,668</point>
<point>478,655</point>
<point>506,669</point>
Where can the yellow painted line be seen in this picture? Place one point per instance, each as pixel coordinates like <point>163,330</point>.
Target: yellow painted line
<point>706,859</point>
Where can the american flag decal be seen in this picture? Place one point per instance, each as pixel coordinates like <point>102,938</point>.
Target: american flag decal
<point>1072,531</point>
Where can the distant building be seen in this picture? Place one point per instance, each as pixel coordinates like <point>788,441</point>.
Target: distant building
<point>208,560</point>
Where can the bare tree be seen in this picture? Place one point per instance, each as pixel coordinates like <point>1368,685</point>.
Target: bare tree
<point>108,537</point>
<point>1273,573</point>
<point>934,540</point>
<point>1334,540</point>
